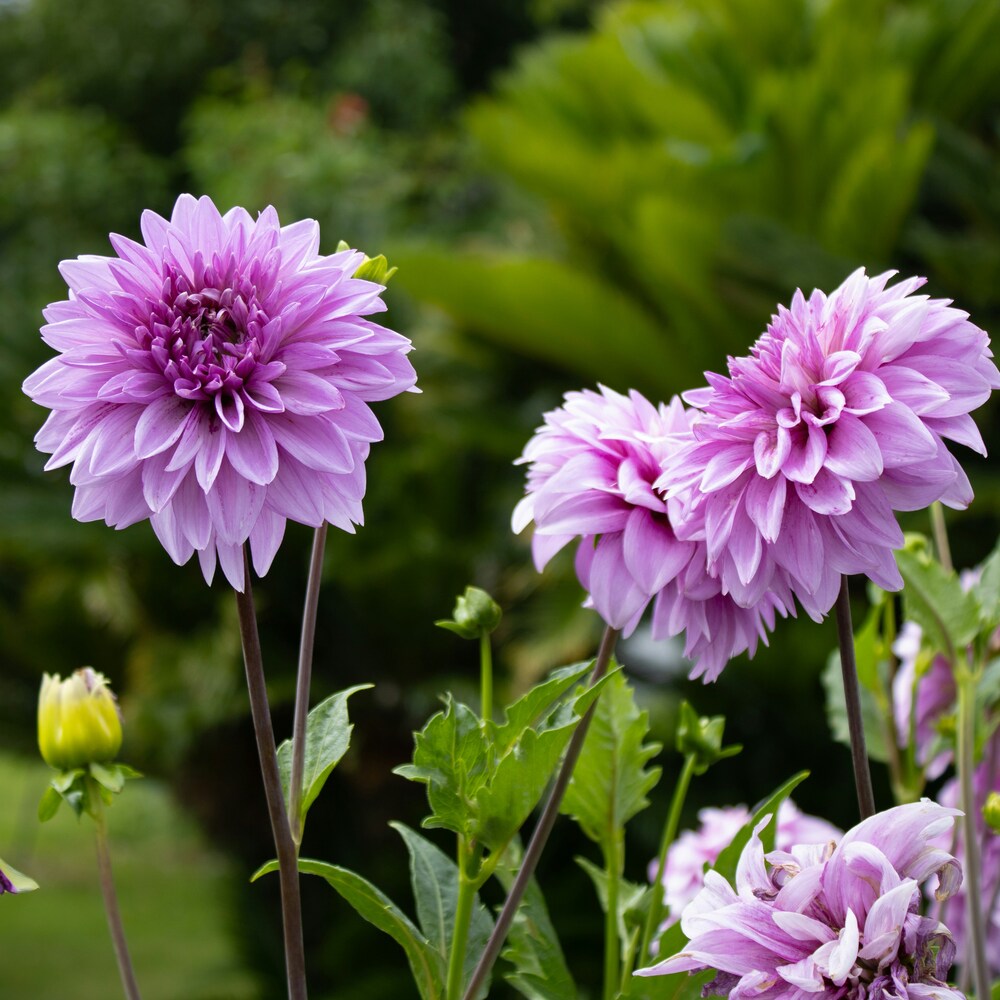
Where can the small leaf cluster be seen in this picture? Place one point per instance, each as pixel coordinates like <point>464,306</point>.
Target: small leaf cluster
<point>85,789</point>
<point>483,778</point>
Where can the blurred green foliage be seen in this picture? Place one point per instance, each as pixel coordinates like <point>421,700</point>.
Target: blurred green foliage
<point>627,203</point>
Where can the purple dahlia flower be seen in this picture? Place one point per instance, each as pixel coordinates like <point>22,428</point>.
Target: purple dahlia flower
<point>829,921</point>
<point>684,874</point>
<point>592,470</point>
<point>836,419</point>
<point>216,380</point>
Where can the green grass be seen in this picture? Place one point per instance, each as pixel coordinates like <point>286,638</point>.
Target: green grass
<point>173,894</point>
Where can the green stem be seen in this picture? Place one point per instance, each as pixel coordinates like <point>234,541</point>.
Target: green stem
<point>284,846</point>
<point>463,918</point>
<point>301,722</point>
<point>655,914</point>
<point>852,699</point>
<point>485,677</point>
<point>543,828</point>
<point>941,536</point>
<point>612,951</point>
<point>973,873</point>
<point>115,926</point>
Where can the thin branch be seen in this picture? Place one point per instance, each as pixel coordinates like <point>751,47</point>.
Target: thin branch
<point>852,699</point>
<point>291,905</point>
<point>115,925</point>
<point>302,684</point>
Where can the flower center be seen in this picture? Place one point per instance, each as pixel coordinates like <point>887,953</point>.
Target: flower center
<point>204,338</point>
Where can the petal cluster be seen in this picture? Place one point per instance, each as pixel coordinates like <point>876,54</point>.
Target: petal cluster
<point>215,379</point>
<point>694,850</point>
<point>837,418</point>
<point>832,921</point>
<point>593,469</point>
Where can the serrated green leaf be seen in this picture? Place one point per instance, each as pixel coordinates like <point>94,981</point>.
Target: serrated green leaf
<point>836,711</point>
<point>540,971</point>
<point>611,780</point>
<point>49,804</point>
<point>531,706</point>
<point>373,905</point>
<point>451,757</point>
<point>935,600</point>
<point>988,590</point>
<point>725,863</point>
<point>20,881</point>
<point>528,757</point>
<point>434,877</point>
<point>328,736</point>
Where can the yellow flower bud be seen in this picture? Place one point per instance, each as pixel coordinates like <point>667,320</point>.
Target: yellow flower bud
<point>78,720</point>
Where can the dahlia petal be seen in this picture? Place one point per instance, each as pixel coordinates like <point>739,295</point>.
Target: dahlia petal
<point>212,450</point>
<point>265,540</point>
<point>234,506</point>
<point>190,512</point>
<point>207,561</point>
<point>765,502</point>
<point>296,493</point>
<point>800,547</point>
<point>617,598</point>
<point>771,450</point>
<point>852,450</point>
<point>232,564</point>
<point>724,468</point>
<point>253,452</point>
<point>652,554</point>
<point>160,425</point>
<point>864,393</point>
<point>231,411</point>
<point>317,443</point>
<point>168,531</point>
<point>808,452</point>
<point>112,451</point>
<point>305,393</point>
<point>965,387</point>
<point>159,484</point>
<point>961,429</point>
<point>902,437</point>
<point>827,493</point>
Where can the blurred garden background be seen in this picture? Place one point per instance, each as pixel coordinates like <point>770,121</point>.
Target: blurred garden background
<point>574,192</point>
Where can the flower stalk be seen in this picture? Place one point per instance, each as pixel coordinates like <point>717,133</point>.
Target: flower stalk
<point>463,918</point>
<point>976,947</point>
<point>543,828</point>
<point>284,845</point>
<point>655,914</point>
<point>302,684</point>
<point>852,698</point>
<point>485,677</point>
<point>612,949</point>
<point>110,897</point>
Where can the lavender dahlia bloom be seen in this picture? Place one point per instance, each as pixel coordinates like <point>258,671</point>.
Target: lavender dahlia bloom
<point>216,380</point>
<point>836,419</point>
<point>592,467</point>
<point>684,873</point>
<point>831,921</point>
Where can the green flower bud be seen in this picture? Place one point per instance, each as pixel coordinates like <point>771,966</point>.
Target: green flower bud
<point>476,614</point>
<point>78,720</point>
<point>701,736</point>
<point>991,811</point>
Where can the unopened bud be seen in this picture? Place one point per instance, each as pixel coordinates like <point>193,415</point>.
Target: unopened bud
<point>476,614</point>
<point>991,811</point>
<point>78,720</point>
